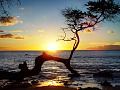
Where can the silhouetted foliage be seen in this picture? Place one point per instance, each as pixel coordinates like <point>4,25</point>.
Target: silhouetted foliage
<point>107,10</point>
<point>5,6</point>
<point>96,12</point>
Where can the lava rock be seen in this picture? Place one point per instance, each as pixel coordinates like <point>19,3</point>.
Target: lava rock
<point>107,74</point>
<point>89,88</point>
<point>106,84</point>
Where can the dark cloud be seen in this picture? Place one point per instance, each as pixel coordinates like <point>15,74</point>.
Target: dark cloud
<point>14,36</point>
<point>5,21</point>
<point>2,30</point>
<point>106,47</point>
<point>5,36</point>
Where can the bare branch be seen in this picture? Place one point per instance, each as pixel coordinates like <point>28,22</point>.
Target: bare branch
<point>5,5</point>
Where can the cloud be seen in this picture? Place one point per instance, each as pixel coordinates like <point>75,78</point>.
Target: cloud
<point>40,30</point>
<point>116,43</point>
<point>14,36</point>
<point>22,8</point>
<point>16,31</point>
<point>17,16</point>
<point>30,36</point>
<point>4,48</point>
<point>96,26</point>
<point>88,31</point>
<point>44,35</point>
<point>110,32</point>
<point>19,37</point>
<point>5,36</point>
<point>106,47</point>
<point>21,21</point>
<point>2,30</point>
<point>95,43</point>
<point>5,21</point>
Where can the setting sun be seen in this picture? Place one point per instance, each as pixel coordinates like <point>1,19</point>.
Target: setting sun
<point>52,46</point>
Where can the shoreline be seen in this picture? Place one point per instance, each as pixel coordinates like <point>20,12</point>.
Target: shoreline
<point>63,88</point>
<point>49,86</point>
<point>45,88</point>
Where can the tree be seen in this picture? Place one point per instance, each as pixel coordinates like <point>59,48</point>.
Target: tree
<point>5,5</point>
<point>77,20</point>
<point>96,12</point>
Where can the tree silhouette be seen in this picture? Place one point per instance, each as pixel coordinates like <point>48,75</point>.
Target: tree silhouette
<point>96,12</point>
<point>5,6</point>
<point>77,20</point>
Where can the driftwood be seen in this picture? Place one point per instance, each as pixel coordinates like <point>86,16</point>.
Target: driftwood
<point>25,72</point>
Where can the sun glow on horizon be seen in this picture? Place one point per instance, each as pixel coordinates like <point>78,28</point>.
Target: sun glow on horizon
<point>52,47</point>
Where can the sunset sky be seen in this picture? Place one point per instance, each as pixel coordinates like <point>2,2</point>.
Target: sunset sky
<point>36,25</point>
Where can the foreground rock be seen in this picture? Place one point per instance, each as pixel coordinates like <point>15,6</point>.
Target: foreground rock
<point>14,85</point>
<point>107,74</point>
<point>89,88</point>
<point>106,84</point>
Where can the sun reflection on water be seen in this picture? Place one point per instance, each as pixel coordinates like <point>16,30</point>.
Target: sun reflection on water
<point>50,83</point>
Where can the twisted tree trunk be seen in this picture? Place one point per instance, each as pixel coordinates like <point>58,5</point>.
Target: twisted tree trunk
<point>25,72</point>
<point>45,57</point>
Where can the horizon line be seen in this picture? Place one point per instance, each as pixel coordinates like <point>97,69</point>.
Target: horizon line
<point>67,50</point>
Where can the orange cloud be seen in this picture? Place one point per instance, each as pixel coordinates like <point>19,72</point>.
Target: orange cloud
<point>106,47</point>
<point>17,16</point>
<point>4,48</point>
<point>110,32</point>
<point>40,30</point>
<point>30,36</point>
<point>88,31</point>
<point>2,30</point>
<point>95,43</point>
<point>5,21</point>
<point>43,35</point>
<point>21,8</point>
<point>21,21</point>
<point>16,31</point>
<point>19,37</point>
<point>116,43</point>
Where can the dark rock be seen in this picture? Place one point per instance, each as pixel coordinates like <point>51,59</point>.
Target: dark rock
<point>16,85</point>
<point>106,84</point>
<point>89,88</point>
<point>73,75</point>
<point>34,82</point>
<point>107,74</point>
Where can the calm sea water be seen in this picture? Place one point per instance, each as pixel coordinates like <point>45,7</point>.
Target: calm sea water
<point>85,62</point>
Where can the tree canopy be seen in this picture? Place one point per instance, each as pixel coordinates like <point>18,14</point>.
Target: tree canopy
<point>5,6</point>
<point>96,12</point>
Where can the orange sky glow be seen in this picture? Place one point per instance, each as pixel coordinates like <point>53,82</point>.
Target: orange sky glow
<point>36,25</point>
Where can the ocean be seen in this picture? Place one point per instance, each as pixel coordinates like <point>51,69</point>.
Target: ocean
<point>86,62</point>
